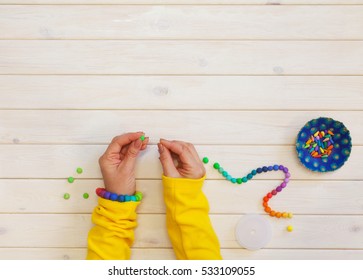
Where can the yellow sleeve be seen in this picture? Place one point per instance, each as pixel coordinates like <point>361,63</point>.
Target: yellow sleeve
<point>113,232</point>
<point>188,223</point>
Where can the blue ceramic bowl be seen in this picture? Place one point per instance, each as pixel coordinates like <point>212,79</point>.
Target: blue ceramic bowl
<point>323,145</point>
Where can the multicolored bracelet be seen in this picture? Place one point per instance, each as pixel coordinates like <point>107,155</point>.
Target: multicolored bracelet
<point>101,192</point>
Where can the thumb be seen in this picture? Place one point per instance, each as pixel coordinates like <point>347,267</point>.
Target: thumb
<point>132,153</point>
<point>167,162</point>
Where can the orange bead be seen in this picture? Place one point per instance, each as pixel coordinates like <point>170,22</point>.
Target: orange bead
<point>284,215</point>
<point>272,213</point>
<point>278,215</point>
<point>267,209</point>
<point>266,199</point>
<point>265,204</point>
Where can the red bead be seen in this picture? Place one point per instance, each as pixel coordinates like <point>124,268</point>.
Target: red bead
<point>269,195</point>
<point>274,192</point>
<point>99,191</point>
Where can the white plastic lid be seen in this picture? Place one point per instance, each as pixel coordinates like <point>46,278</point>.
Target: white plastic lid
<point>253,232</point>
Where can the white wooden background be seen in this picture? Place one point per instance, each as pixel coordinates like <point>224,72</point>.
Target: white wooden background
<point>237,78</point>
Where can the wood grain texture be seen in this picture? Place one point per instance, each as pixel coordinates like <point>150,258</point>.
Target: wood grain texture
<point>181,57</point>
<point>301,197</point>
<point>62,230</point>
<point>182,92</point>
<point>60,161</point>
<point>239,127</point>
<point>168,254</point>
<point>181,22</point>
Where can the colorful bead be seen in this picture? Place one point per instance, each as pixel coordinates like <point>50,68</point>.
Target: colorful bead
<point>66,196</point>
<point>289,228</point>
<point>142,137</point>
<point>216,165</point>
<point>113,196</point>
<point>205,160</point>
<point>85,195</point>
<point>239,180</point>
<point>79,170</point>
<point>70,180</point>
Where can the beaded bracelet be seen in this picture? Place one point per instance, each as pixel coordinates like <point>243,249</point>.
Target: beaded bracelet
<point>101,192</point>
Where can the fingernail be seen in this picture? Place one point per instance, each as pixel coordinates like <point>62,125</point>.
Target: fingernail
<point>161,148</point>
<point>138,143</point>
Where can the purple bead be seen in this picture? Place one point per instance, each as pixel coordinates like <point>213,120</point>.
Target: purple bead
<point>281,167</point>
<point>283,185</point>
<point>279,189</point>
<point>274,192</point>
<point>287,175</point>
<point>107,195</point>
<point>286,170</point>
<point>286,180</point>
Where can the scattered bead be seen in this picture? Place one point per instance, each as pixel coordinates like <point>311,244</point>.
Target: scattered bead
<point>289,215</point>
<point>79,170</point>
<point>85,195</point>
<point>66,196</point>
<point>142,137</point>
<point>216,165</point>
<point>70,180</point>
<point>205,160</point>
<point>290,228</point>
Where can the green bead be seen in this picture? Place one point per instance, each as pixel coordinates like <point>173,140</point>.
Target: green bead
<point>85,195</point>
<point>79,170</point>
<point>244,179</point>
<point>216,165</point>
<point>66,196</point>
<point>249,176</point>
<point>142,138</point>
<point>239,180</point>
<point>254,172</point>
<point>70,179</point>
<point>205,160</point>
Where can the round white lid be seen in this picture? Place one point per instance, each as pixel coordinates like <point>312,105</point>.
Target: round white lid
<point>253,231</point>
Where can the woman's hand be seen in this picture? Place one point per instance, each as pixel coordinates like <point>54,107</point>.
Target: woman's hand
<point>118,163</point>
<point>180,160</point>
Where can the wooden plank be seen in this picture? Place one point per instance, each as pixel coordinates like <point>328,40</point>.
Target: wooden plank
<point>186,2</point>
<point>181,22</point>
<point>218,127</point>
<point>62,230</point>
<point>168,254</point>
<point>301,197</point>
<point>55,161</point>
<point>181,57</point>
<point>176,92</point>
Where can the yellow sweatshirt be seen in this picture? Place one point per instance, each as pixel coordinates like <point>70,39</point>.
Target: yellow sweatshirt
<point>188,224</point>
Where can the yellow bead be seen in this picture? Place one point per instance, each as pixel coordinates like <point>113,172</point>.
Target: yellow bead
<point>284,215</point>
<point>290,228</point>
<point>290,215</point>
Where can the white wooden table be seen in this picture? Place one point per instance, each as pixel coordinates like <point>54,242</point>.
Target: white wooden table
<point>237,78</point>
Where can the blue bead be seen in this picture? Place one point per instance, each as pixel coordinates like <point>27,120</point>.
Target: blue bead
<point>127,198</point>
<point>276,167</point>
<point>234,180</point>
<point>244,179</point>
<point>107,195</point>
<point>133,198</point>
<point>270,168</point>
<point>121,198</point>
<point>259,170</point>
<point>254,172</point>
<point>249,176</point>
<point>220,170</point>
<point>264,169</point>
<point>113,196</point>
<point>225,173</point>
<point>229,177</point>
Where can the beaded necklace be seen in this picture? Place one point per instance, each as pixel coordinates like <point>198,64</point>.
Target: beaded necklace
<point>253,173</point>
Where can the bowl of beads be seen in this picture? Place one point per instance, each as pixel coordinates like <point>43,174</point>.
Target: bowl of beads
<point>323,144</point>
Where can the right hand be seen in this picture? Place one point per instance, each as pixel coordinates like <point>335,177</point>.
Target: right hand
<point>188,163</point>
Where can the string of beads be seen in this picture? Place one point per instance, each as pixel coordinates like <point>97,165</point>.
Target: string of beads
<point>254,172</point>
